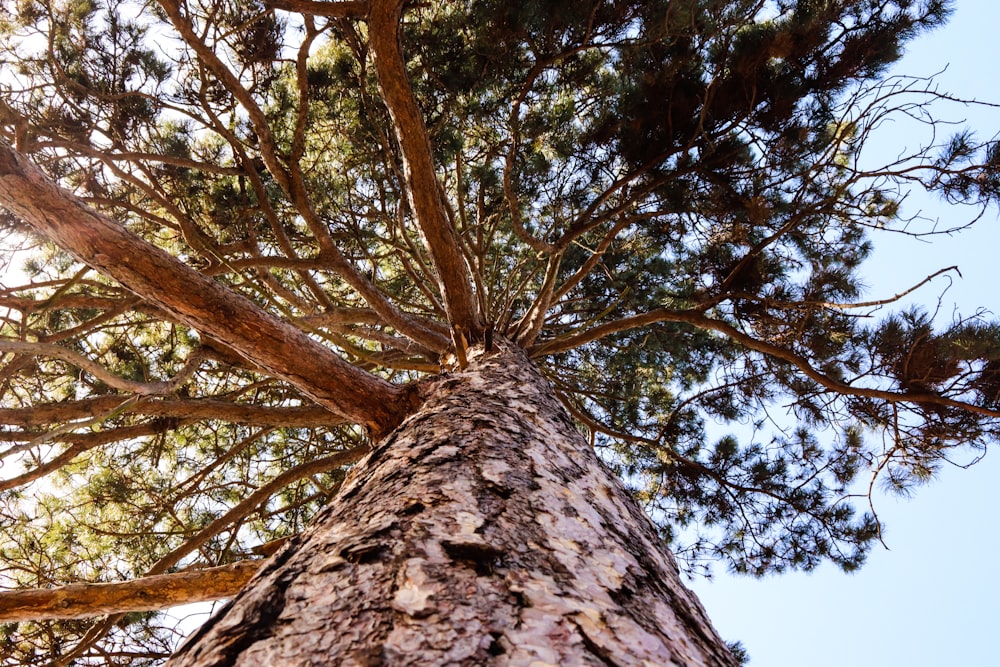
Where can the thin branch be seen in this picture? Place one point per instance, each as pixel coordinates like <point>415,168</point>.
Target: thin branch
<point>528,328</point>
<point>80,443</point>
<point>702,321</point>
<point>210,59</point>
<point>100,372</point>
<point>891,299</point>
<point>595,257</point>
<point>249,504</point>
<point>188,409</point>
<point>246,507</point>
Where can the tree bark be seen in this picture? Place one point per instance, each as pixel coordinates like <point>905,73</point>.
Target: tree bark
<point>483,531</point>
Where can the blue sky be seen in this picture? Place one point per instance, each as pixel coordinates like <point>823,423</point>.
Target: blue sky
<point>934,597</point>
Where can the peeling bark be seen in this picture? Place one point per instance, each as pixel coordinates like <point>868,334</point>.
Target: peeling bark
<point>483,531</point>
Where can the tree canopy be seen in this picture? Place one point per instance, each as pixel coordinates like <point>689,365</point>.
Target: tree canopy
<point>665,203</point>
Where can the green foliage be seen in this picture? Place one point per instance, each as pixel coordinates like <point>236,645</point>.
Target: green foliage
<point>662,201</point>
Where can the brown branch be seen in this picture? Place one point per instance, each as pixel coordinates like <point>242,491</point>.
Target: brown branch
<point>590,334</point>
<point>244,508</point>
<point>29,305</point>
<point>422,187</point>
<point>145,594</point>
<point>199,302</point>
<point>892,299</point>
<point>528,328</point>
<point>702,321</point>
<point>348,9</point>
<point>249,504</point>
<point>211,60</point>
<point>193,409</point>
<point>99,371</point>
<point>595,257</point>
<point>337,317</point>
<point>79,443</point>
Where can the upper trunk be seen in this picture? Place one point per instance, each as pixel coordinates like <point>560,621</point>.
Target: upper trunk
<point>483,531</point>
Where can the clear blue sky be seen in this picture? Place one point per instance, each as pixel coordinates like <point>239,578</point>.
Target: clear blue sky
<point>933,599</point>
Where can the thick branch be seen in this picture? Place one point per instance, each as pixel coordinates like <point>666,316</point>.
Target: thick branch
<point>352,9</point>
<point>422,187</point>
<point>145,594</point>
<point>197,301</point>
<point>200,408</point>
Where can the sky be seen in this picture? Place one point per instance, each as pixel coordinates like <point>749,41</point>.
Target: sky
<point>932,598</point>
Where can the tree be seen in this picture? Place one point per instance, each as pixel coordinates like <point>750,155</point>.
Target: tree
<point>272,240</point>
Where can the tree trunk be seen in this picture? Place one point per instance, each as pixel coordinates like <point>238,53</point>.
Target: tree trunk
<point>483,531</point>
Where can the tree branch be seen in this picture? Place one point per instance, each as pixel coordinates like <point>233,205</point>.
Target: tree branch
<point>100,372</point>
<point>348,9</point>
<point>702,321</point>
<point>241,510</point>
<point>79,443</point>
<point>422,187</point>
<point>145,594</point>
<point>195,408</point>
<point>199,302</point>
<point>211,60</point>
<point>253,501</point>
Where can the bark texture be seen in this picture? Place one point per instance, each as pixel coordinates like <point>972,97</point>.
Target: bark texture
<point>483,531</point>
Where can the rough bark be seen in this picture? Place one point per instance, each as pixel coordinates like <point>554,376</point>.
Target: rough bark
<point>483,531</point>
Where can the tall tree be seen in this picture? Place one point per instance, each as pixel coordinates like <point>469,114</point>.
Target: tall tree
<point>493,256</point>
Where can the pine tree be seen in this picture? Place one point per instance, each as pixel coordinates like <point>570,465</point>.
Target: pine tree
<point>461,285</point>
